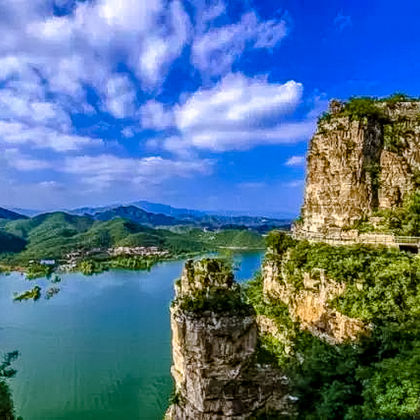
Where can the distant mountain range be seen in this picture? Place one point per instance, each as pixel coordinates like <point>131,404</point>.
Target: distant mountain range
<point>52,234</point>
<point>155,214</point>
<point>137,215</point>
<point>194,219</point>
<point>162,215</point>
<point>165,209</point>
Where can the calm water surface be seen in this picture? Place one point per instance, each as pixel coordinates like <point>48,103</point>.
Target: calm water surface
<point>100,349</point>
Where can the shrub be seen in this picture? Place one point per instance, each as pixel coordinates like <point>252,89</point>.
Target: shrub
<point>6,372</point>
<point>377,376</point>
<point>279,242</point>
<point>217,300</point>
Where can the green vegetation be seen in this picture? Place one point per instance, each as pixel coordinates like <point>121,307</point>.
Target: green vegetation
<point>397,97</point>
<point>229,299</point>
<point>394,137</point>
<point>279,242</point>
<point>53,235</point>
<point>368,272</point>
<point>33,294</point>
<point>230,238</point>
<point>6,403</point>
<point>402,221</point>
<point>378,376</point>
<point>36,270</point>
<point>218,300</point>
<point>374,171</point>
<point>361,107</point>
<point>364,107</point>
<point>94,266</point>
<point>55,279</point>
<point>11,243</point>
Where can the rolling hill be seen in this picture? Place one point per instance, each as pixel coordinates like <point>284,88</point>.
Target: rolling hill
<point>52,235</point>
<point>136,215</point>
<point>10,215</point>
<point>11,243</point>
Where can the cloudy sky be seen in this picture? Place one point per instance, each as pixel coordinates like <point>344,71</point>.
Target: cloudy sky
<point>202,104</point>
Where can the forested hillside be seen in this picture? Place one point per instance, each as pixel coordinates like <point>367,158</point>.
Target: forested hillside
<point>52,235</point>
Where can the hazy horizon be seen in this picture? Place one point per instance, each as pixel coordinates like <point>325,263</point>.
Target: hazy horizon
<point>220,212</point>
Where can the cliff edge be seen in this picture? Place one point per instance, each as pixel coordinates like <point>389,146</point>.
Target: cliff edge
<point>216,369</point>
<point>363,159</point>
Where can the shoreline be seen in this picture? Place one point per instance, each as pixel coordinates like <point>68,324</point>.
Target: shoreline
<point>7,269</point>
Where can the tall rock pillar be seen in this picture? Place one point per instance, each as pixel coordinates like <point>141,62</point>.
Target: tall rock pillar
<point>214,344</point>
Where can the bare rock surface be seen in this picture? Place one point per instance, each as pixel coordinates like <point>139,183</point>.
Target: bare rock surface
<point>215,364</point>
<point>357,166</point>
<point>311,306</point>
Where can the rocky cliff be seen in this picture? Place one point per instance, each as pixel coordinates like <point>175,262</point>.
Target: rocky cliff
<point>216,368</point>
<point>310,304</point>
<point>364,157</point>
<point>318,304</point>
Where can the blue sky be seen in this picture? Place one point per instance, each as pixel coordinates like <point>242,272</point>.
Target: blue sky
<point>201,104</point>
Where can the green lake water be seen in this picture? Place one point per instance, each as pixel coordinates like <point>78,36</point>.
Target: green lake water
<point>98,350</point>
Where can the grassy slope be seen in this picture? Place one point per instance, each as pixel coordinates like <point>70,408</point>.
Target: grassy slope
<point>229,238</point>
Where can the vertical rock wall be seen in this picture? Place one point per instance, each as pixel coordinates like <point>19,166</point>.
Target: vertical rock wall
<point>359,165</point>
<point>215,364</point>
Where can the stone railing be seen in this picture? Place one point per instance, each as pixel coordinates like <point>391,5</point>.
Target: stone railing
<point>341,238</point>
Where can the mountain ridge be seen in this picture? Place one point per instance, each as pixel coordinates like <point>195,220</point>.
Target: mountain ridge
<point>10,215</point>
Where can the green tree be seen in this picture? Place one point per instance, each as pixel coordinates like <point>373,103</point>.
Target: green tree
<point>6,372</point>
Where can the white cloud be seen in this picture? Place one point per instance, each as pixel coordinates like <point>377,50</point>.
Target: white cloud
<point>23,97</point>
<point>128,132</point>
<point>239,113</point>
<point>120,96</point>
<point>295,161</point>
<point>161,48</point>
<point>52,67</point>
<point>215,51</point>
<point>242,139</point>
<point>83,46</point>
<point>237,101</point>
<point>207,12</point>
<point>102,171</point>
<point>17,134</point>
<point>15,159</point>
<point>154,116</point>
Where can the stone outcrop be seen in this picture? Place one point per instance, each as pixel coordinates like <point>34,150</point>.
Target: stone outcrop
<point>214,344</point>
<point>357,165</point>
<point>310,305</point>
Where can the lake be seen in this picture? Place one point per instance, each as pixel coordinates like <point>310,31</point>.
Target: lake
<point>100,348</point>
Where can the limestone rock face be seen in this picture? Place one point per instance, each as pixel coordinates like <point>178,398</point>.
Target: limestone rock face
<point>356,166</point>
<point>310,305</point>
<point>215,367</point>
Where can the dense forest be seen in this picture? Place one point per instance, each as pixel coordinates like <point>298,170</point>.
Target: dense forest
<point>55,234</point>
